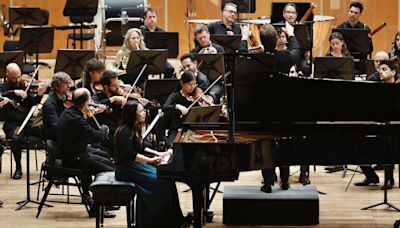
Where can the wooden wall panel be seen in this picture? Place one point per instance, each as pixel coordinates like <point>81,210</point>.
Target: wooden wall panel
<point>374,14</point>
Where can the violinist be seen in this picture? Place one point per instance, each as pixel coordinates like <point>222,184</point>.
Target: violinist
<point>189,63</point>
<point>14,88</point>
<point>228,26</point>
<point>204,44</point>
<point>177,104</point>
<point>93,71</point>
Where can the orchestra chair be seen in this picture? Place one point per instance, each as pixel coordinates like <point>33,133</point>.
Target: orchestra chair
<point>81,36</point>
<point>107,191</point>
<point>55,171</point>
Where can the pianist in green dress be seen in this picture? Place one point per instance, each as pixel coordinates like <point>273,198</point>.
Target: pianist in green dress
<point>157,199</point>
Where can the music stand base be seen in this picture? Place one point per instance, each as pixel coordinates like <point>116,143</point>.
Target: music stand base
<point>390,205</point>
<point>23,203</point>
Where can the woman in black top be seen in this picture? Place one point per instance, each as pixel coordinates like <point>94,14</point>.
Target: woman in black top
<point>177,104</point>
<point>337,46</point>
<point>396,47</point>
<point>157,202</point>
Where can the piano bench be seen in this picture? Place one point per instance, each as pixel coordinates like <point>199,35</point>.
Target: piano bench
<point>248,205</point>
<point>109,192</point>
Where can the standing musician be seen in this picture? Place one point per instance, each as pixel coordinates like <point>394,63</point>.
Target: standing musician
<point>93,71</point>
<point>74,136</point>
<point>204,44</point>
<point>177,104</point>
<point>354,13</point>
<point>290,15</point>
<point>15,112</point>
<point>228,26</point>
<point>150,21</point>
<point>134,40</point>
<point>275,42</point>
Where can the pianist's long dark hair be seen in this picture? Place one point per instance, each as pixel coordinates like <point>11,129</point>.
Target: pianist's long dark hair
<point>128,121</point>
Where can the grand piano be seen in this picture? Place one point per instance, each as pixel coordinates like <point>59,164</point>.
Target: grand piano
<point>276,120</point>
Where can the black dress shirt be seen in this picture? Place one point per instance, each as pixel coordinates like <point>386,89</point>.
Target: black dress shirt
<point>172,112</point>
<point>219,27</point>
<point>287,58</point>
<point>359,25</point>
<point>110,119</point>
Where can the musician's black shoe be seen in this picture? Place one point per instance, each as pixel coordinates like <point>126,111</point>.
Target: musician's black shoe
<point>209,216</point>
<point>187,221</point>
<point>285,185</point>
<point>17,174</point>
<point>266,188</point>
<point>367,181</point>
<point>379,167</point>
<point>303,179</point>
<point>112,208</point>
<point>388,185</point>
<point>332,169</point>
<point>108,214</point>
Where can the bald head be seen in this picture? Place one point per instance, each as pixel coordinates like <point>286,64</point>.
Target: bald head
<point>379,56</point>
<point>80,97</point>
<point>13,72</point>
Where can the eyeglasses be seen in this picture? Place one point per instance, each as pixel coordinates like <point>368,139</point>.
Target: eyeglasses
<point>291,12</point>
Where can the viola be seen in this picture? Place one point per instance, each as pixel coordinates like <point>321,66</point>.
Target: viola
<point>202,99</point>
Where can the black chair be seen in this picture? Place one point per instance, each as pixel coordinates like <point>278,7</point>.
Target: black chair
<point>56,171</point>
<point>107,191</point>
<point>81,36</point>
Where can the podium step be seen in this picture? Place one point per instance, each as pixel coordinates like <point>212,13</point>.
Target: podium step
<point>247,205</point>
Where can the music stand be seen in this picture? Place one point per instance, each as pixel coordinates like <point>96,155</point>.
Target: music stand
<point>277,11</point>
<point>230,43</point>
<point>72,62</point>
<point>356,40</point>
<point>35,40</point>
<point>160,89</point>
<point>208,114</point>
<point>25,15</point>
<point>23,203</point>
<point>10,57</point>
<point>145,62</point>
<point>80,8</point>
<point>243,6</point>
<point>212,65</point>
<point>334,67</point>
<point>163,40</point>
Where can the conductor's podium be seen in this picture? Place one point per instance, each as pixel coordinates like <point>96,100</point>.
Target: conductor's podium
<point>247,205</point>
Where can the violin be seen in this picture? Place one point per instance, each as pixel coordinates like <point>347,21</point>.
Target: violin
<point>202,99</point>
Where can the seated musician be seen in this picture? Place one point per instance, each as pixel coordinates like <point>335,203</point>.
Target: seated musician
<point>134,40</point>
<point>190,64</point>
<point>204,44</point>
<point>283,43</point>
<point>290,15</point>
<point>110,97</point>
<point>228,26</point>
<point>395,54</point>
<point>388,73</point>
<point>158,202</point>
<point>151,21</point>
<point>74,134</point>
<point>177,104</point>
<point>337,46</point>
<point>55,104</point>
<point>355,11</point>
<point>379,56</point>
<point>93,71</point>
<point>16,111</point>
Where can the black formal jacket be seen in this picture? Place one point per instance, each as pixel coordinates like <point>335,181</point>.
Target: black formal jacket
<point>51,110</point>
<point>287,58</point>
<point>74,134</point>
<point>110,119</point>
<point>219,27</point>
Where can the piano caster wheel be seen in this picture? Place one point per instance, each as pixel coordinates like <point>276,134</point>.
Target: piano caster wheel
<point>209,216</point>
<point>397,224</point>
